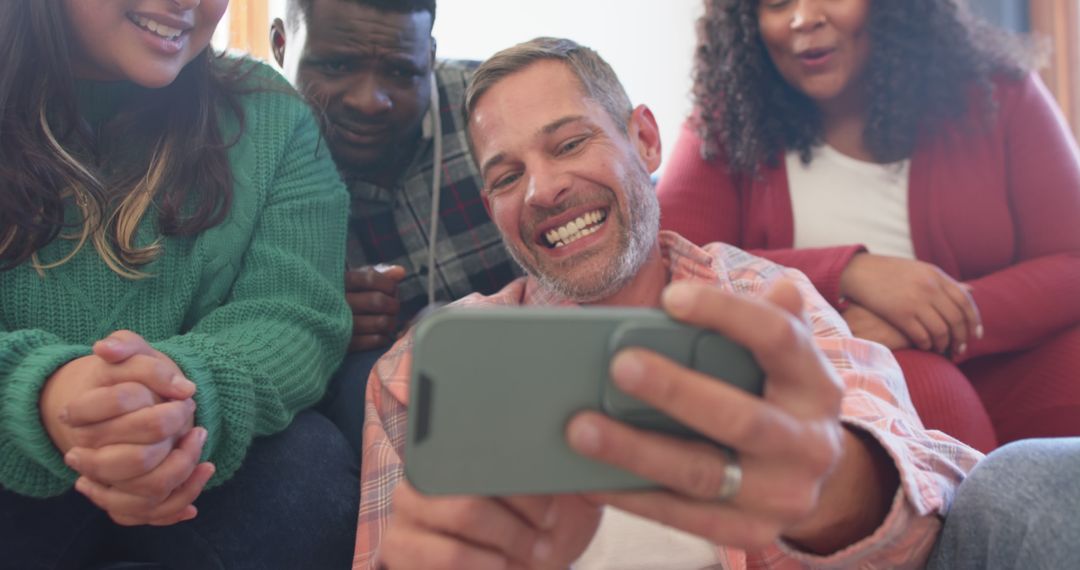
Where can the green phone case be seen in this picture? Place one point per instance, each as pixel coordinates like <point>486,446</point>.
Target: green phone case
<point>493,388</point>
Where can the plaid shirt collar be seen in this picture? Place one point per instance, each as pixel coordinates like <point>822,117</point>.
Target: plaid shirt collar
<point>683,259</point>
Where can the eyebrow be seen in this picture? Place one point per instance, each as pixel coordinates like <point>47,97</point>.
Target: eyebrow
<point>545,130</point>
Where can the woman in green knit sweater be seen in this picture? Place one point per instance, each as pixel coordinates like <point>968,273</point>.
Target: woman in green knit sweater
<point>171,254</point>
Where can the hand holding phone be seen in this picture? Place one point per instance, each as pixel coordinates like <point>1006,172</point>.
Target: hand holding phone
<point>492,390</point>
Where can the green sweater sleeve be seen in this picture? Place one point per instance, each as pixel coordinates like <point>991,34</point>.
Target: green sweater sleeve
<point>29,463</point>
<point>268,350</point>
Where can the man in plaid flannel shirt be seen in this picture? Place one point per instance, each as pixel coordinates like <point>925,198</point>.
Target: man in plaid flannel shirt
<point>837,470</point>
<point>366,66</point>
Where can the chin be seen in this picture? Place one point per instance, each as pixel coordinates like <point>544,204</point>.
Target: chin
<point>155,79</point>
<point>823,91</point>
<point>358,160</point>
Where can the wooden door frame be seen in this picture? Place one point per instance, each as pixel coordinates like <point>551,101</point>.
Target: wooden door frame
<point>249,29</point>
<point>1059,22</point>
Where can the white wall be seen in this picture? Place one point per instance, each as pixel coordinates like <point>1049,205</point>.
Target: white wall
<point>649,43</point>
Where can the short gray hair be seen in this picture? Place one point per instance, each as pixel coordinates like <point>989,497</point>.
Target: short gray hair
<point>596,77</point>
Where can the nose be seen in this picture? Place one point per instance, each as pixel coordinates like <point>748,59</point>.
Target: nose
<point>547,185</point>
<point>367,97</point>
<point>809,15</point>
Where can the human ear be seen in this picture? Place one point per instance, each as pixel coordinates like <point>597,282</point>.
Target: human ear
<point>644,133</point>
<point>277,41</point>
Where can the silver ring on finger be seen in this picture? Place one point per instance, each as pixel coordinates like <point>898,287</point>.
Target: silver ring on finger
<point>732,478</point>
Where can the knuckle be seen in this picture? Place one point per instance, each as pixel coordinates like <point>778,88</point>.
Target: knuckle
<point>795,502</point>
<point>82,437</point>
<point>155,426</point>
<point>154,492</point>
<point>124,335</point>
<point>130,396</point>
<point>746,427</point>
<point>161,370</point>
<point>702,478</point>
<point>786,334</point>
<point>146,458</point>
<point>461,516</point>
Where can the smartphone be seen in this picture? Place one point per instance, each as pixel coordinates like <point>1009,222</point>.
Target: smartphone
<point>492,390</point>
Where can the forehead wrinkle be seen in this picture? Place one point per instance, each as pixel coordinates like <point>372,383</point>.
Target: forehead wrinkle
<point>346,37</point>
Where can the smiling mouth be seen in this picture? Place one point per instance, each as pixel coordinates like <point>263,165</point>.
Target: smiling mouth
<point>581,226</point>
<point>155,27</point>
<point>362,135</point>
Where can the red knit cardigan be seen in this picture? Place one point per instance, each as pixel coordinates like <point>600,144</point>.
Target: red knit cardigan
<point>997,207</point>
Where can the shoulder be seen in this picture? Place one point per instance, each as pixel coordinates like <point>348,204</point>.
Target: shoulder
<point>453,77</point>
<point>455,70</point>
<point>1019,95</point>
<point>264,95</point>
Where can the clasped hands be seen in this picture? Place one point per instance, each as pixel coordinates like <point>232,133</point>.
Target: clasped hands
<point>123,417</point>
<point>806,477</point>
<point>906,303</point>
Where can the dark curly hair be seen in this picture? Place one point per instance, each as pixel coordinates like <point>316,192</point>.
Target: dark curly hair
<point>925,57</point>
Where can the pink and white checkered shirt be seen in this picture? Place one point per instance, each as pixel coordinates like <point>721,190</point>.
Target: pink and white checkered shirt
<point>931,464</point>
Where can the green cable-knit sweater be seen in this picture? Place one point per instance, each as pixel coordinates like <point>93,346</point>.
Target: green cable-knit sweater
<point>252,310</point>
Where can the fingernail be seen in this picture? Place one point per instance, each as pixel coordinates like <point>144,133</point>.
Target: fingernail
<point>962,348</point>
<point>627,370</point>
<point>200,435</point>
<point>542,549</point>
<point>181,383</point>
<point>72,460</point>
<point>64,415</point>
<point>677,299</point>
<point>584,436</point>
<point>979,331</point>
<point>81,485</point>
<point>383,267</point>
<point>110,344</point>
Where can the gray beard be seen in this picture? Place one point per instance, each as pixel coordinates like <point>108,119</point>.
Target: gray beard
<point>642,229</point>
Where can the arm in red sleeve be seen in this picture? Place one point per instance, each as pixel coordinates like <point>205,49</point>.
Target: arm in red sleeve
<point>1025,302</point>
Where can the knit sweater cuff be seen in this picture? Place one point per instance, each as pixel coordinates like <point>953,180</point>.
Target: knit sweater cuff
<point>207,405</point>
<point>29,462</point>
<point>829,281</point>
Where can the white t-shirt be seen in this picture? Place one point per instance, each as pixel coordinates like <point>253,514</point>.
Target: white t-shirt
<point>838,200</point>
<point>626,541</point>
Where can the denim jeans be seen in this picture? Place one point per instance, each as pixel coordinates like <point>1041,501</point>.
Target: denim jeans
<point>1019,508</point>
<point>293,504</point>
<point>344,399</point>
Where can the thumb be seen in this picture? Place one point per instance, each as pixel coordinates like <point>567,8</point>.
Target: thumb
<point>120,346</point>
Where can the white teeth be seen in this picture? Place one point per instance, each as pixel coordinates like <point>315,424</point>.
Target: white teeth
<point>575,229</point>
<point>156,27</point>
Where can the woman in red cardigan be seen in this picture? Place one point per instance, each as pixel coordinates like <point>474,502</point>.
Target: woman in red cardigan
<point>902,154</point>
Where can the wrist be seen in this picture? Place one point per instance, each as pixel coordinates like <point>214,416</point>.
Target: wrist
<point>854,500</point>
<point>848,275</point>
